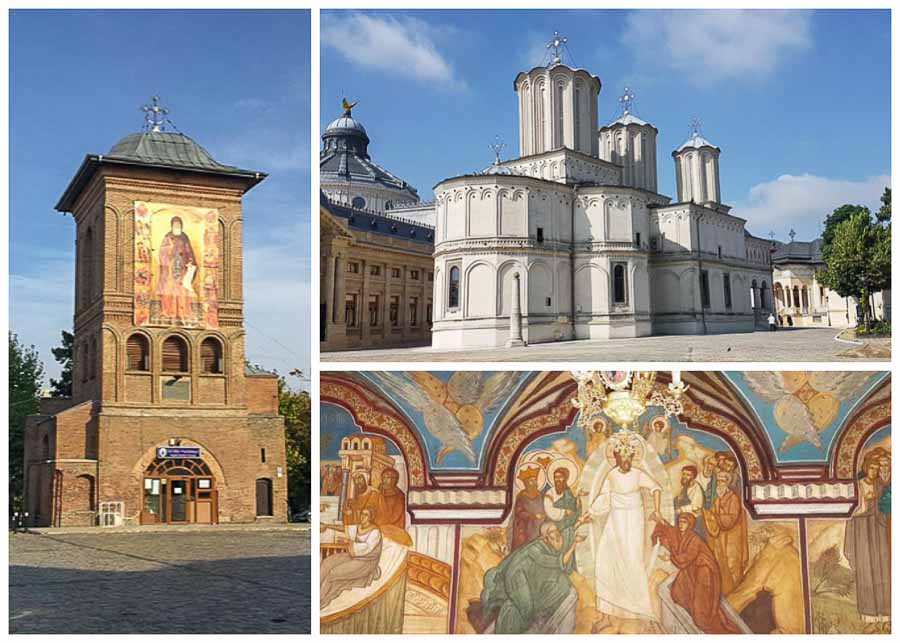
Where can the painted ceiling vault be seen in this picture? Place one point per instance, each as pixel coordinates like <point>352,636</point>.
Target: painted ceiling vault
<point>456,412</point>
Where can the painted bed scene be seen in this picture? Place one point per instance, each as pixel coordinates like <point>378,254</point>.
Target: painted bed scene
<point>509,502</point>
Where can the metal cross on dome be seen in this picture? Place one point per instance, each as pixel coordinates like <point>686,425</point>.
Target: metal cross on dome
<point>695,126</point>
<point>555,44</point>
<point>627,100</point>
<point>497,146</point>
<point>155,115</point>
<point>792,234</point>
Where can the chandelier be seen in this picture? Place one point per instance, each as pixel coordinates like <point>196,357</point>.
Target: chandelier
<point>623,396</point>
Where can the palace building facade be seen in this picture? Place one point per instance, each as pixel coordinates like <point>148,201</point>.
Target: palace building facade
<point>377,269</point>
<point>166,424</point>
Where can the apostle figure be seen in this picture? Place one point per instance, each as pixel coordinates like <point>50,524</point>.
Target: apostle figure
<point>561,506</point>
<point>528,510</point>
<point>361,497</point>
<point>177,269</point>
<point>358,566</point>
<point>689,498</point>
<point>697,585</point>
<point>530,584</point>
<point>868,549</point>
<point>621,565</point>
<point>726,529</point>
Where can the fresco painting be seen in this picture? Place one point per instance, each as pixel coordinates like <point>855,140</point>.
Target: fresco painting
<point>176,265</point>
<point>677,519</point>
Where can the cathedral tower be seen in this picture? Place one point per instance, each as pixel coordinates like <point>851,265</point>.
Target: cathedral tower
<point>166,423</point>
<point>697,169</point>
<point>557,107</point>
<point>631,142</point>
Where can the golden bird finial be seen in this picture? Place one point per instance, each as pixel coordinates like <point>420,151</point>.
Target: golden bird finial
<point>348,106</point>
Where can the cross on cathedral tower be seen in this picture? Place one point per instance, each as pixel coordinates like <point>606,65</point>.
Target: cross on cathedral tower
<point>497,147</point>
<point>155,115</point>
<point>627,100</point>
<point>556,44</point>
<point>695,126</point>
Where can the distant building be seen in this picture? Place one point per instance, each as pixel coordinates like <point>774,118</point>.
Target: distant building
<point>800,297</point>
<point>376,280</point>
<point>165,423</point>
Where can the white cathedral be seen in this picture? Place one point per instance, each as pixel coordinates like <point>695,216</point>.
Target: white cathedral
<point>572,240</point>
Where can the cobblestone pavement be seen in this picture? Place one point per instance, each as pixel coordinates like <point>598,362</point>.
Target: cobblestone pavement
<point>205,581</point>
<point>786,345</point>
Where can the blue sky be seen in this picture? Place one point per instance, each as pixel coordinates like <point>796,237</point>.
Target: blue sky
<point>237,82</point>
<point>798,101</point>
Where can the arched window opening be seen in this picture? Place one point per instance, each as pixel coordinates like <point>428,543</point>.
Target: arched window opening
<point>453,289</point>
<point>263,496</point>
<point>619,290</point>
<point>175,355</point>
<point>211,356</point>
<point>137,350</point>
<point>93,358</point>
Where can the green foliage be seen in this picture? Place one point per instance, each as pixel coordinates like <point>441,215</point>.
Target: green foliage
<point>296,409</point>
<point>884,212</point>
<point>26,373</point>
<point>879,329</point>
<point>836,218</point>
<point>857,255</point>
<point>63,354</point>
<point>829,576</point>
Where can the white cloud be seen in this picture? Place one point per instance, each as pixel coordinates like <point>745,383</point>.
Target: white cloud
<point>708,46</point>
<point>398,45</point>
<point>802,202</point>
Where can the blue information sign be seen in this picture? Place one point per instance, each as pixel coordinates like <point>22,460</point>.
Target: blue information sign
<point>177,452</point>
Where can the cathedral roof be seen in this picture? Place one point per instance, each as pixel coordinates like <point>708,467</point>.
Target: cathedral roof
<point>154,149</point>
<point>695,142</point>
<point>345,157</point>
<point>798,252</point>
<point>628,119</point>
<point>373,222</point>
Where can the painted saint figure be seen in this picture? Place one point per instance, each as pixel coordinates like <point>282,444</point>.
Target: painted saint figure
<point>690,498</point>
<point>621,574</point>
<point>868,549</point>
<point>528,510</point>
<point>358,566</point>
<point>561,506</point>
<point>530,584</point>
<point>177,269</point>
<point>363,497</point>
<point>726,530</point>
<point>697,586</point>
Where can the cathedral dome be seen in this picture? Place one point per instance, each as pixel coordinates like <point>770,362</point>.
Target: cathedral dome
<point>346,124</point>
<point>346,134</point>
<point>695,142</point>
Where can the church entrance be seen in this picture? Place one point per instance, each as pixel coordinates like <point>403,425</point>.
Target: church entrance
<point>179,491</point>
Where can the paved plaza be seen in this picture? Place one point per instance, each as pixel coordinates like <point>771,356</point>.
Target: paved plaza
<point>203,580</point>
<point>784,345</point>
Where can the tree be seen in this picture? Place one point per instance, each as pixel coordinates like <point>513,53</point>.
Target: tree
<point>858,259</point>
<point>296,409</point>
<point>884,212</point>
<point>63,355</point>
<point>833,220</point>
<point>26,373</point>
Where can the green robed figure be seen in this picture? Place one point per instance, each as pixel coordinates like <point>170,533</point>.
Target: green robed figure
<point>530,584</point>
<point>562,507</point>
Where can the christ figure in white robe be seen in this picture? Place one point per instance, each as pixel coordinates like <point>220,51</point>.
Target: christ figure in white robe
<point>621,561</point>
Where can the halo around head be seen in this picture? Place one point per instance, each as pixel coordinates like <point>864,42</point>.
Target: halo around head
<point>568,465</point>
<point>527,470</point>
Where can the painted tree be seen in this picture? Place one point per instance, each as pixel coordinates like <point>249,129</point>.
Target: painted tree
<point>26,374</point>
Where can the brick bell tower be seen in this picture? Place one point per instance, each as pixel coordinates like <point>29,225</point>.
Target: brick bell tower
<point>158,349</point>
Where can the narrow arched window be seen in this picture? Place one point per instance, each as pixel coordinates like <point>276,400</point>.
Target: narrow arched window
<point>175,355</point>
<point>137,350</point>
<point>619,290</point>
<point>93,357</point>
<point>211,356</point>
<point>453,289</point>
